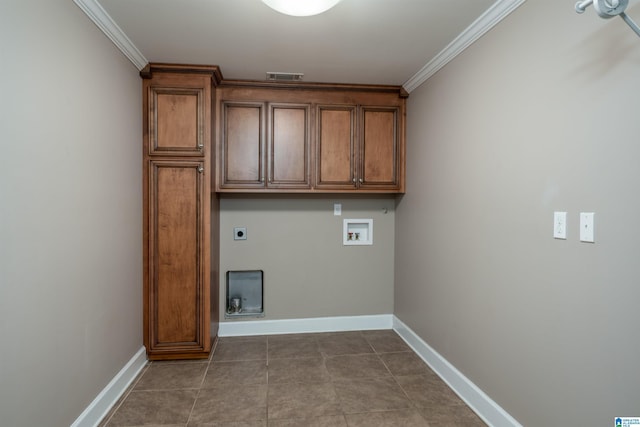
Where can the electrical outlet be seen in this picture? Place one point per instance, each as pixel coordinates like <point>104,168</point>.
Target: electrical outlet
<point>240,233</point>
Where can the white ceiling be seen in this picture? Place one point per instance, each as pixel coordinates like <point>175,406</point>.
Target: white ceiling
<point>358,41</point>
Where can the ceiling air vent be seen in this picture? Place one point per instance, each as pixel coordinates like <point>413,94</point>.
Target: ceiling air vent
<point>285,77</point>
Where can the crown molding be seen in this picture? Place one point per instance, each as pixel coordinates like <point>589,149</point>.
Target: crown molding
<point>101,18</point>
<point>496,13</point>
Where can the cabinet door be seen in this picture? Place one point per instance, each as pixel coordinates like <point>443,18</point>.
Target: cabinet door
<point>177,288</point>
<point>289,146</point>
<point>379,148</point>
<point>177,108</point>
<point>242,157</point>
<point>335,147</point>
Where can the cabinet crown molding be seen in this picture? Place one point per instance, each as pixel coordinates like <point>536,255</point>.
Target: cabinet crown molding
<point>156,67</point>
<point>399,90</point>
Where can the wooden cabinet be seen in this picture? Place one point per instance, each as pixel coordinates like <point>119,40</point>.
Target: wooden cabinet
<point>265,145</point>
<point>358,148</point>
<point>379,148</point>
<point>310,138</point>
<point>179,291</point>
<point>336,147</point>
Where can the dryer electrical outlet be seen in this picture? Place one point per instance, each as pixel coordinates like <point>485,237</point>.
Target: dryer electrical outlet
<point>239,233</point>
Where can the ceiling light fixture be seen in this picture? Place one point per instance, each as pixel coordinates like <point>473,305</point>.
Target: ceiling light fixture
<point>301,7</point>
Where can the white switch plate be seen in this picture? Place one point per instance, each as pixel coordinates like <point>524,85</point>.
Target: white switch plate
<point>337,209</point>
<point>559,225</point>
<point>587,224</point>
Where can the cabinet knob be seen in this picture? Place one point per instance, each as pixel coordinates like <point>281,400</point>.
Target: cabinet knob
<point>200,146</point>
<point>353,180</point>
<point>360,180</point>
<point>200,168</point>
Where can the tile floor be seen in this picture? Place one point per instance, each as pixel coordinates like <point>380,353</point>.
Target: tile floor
<point>342,379</point>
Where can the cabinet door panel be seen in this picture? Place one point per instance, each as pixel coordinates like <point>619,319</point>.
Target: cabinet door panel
<point>379,147</point>
<point>178,296</point>
<point>176,117</point>
<point>335,147</point>
<point>242,145</point>
<point>289,146</point>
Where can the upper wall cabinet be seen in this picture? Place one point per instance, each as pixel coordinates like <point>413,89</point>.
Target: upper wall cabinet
<point>264,145</point>
<point>178,108</point>
<point>310,138</point>
<point>336,147</point>
<point>379,150</point>
<point>358,148</point>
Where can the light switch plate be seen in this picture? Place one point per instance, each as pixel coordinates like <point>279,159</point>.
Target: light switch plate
<point>587,223</point>
<point>337,209</point>
<point>559,225</point>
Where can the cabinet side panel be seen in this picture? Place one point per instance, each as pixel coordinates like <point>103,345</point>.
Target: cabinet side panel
<point>176,255</point>
<point>289,145</point>
<point>335,146</point>
<point>379,147</point>
<point>242,144</point>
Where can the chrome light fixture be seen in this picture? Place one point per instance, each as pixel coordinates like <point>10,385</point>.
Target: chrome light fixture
<point>608,9</point>
<point>301,7</point>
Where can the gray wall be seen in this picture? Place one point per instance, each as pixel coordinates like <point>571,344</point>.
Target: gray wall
<point>297,241</point>
<point>540,114</point>
<point>70,212</point>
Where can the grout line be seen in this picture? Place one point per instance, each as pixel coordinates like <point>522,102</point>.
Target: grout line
<point>193,407</point>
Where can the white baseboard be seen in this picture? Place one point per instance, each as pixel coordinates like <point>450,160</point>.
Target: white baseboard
<point>490,412</point>
<point>298,326</point>
<point>99,408</point>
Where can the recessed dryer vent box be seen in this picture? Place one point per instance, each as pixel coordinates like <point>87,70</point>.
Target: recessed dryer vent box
<point>245,292</point>
<point>357,232</point>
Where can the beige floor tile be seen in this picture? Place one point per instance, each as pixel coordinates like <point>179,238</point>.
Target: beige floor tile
<point>300,400</point>
<point>240,350</point>
<point>298,370</point>
<point>289,337</point>
<point>154,407</point>
<point>370,394</point>
<point>246,338</point>
<point>342,343</point>
<point>405,363</point>
<point>428,390</point>
<point>356,366</point>
<point>402,418</point>
<point>240,373</point>
<point>330,421</point>
<point>451,416</point>
<point>158,425</point>
<point>385,341</point>
<point>230,404</point>
<point>252,423</point>
<point>172,376</point>
<point>295,346</point>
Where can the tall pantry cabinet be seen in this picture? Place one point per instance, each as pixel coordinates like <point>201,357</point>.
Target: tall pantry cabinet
<point>180,289</point>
